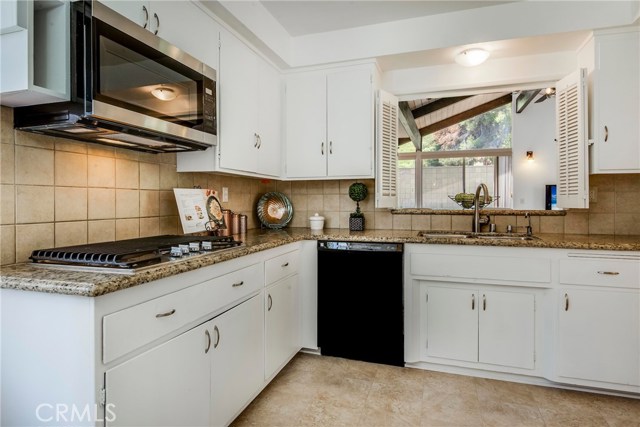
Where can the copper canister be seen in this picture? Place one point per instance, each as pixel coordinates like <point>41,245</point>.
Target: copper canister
<point>225,229</point>
<point>243,224</point>
<point>235,223</point>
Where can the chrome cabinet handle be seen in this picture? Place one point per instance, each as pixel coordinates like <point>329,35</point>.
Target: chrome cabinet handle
<point>322,148</point>
<point>269,303</point>
<point>240,283</point>
<point>146,16</point>
<point>286,264</point>
<point>609,273</point>
<point>473,301</point>
<point>566,302</point>
<point>484,303</point>
<point>155,15</point>
<point>217,331</point>
<point>606,134</point>
<point>206,332</point>
<point>330,147</point>
<point>168,313</point>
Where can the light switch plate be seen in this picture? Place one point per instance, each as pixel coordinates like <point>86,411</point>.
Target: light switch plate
<point>593,194</point>
<point>225,194</point>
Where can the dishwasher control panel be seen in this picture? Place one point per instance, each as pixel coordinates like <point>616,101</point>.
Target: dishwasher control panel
<point>359,246</point>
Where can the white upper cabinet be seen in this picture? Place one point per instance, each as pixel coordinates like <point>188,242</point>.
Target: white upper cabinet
<point>330,124</point>
<point>616,103</point>
<point>167,19</point>
<point>34,59</point>
<point>249,139</point>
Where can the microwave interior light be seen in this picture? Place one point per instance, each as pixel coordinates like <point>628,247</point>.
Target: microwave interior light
<point>164,93</point>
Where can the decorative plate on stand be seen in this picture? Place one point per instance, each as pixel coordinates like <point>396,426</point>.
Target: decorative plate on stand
<point>275,210</point>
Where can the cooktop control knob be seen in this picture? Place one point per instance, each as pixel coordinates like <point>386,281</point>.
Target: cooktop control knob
<point>194,246</point>
<point>207,246</point>
<point>175,251</point>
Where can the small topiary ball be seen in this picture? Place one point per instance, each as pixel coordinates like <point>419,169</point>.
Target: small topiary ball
<point>358,191</point>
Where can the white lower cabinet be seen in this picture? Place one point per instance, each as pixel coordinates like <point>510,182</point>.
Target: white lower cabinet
<point>599,335</point>
<point>478,325</point>
<point>237,360</point>
<point>598,309</point>
<point>165,386</point>
<point>282,335</point>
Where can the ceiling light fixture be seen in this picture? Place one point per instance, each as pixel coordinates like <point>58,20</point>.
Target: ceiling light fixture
<point>164,93</point>
<point>472,57</point>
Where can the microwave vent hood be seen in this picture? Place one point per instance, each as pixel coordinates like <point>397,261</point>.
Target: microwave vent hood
<point>128,88</point>
<point>59,120</point>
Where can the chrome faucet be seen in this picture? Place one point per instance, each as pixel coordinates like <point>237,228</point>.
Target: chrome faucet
<point>476,213</point>
<point>527,215</point>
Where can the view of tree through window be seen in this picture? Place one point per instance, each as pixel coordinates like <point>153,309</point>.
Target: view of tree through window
<point>453,161</point>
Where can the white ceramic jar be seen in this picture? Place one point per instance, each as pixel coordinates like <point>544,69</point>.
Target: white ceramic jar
<point>316,222</point>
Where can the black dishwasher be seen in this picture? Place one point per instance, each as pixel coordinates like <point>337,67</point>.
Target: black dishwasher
<point>360,306</point>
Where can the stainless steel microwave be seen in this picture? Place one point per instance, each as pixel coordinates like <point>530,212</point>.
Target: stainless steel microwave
<point>129,88</point>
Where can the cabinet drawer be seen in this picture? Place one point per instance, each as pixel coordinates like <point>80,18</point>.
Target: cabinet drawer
<point>133,327</point>
<point>281,266</point>
<point>474,267</point>
<point>600,272</point>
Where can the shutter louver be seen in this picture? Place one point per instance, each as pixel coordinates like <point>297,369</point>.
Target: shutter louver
<point>571,136</point>
<point>387,151</point>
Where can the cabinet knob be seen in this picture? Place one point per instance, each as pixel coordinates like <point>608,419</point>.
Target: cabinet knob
<point>240,283</point>
<point>606,133</point>
<point>286,264</point>
<point>322,148</point>
<point>473,301</point>
<point>566,302</point>
<point>330,147</point>
<point>484,303</point>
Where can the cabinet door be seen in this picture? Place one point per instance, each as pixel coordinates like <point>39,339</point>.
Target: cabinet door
<point>599,335</point>
<point>138,11</point>
<point>306,112</point>
<point>506,332</point>
<point>282,336</point>
<point>617,102</point>
<point>237,362</point>
<point>201,41</point>
<point>269,120</point>
<point>350,123</point>
<point>238,90</point>
<point>450,322</point>
<point>166,386</point>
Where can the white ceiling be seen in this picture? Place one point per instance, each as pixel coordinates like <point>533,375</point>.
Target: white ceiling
<point>304,17</point>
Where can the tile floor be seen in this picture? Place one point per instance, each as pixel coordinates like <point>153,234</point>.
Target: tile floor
<point>326,391</point>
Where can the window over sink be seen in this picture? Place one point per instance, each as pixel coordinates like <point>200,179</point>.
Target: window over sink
<point>458,153</point>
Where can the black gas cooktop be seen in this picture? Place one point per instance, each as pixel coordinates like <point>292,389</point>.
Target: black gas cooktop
<point>131,255</point>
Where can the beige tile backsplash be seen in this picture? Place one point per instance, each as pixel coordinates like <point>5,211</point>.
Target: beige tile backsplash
<point>58,192</point>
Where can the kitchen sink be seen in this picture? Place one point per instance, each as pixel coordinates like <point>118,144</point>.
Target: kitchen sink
<point>469,235</point>
<point>443,235</point>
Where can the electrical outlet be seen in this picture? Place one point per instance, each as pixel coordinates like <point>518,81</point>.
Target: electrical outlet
<point>593,194</point>
<point>225,194</point>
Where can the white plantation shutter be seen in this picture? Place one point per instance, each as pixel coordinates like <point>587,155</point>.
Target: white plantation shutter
<point>571,136</point>
<point>387,151</point>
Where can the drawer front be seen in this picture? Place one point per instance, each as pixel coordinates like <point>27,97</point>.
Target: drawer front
<point>133,327</point>
<point>600,272</point>
<point>474,267</point>
<point>281,266</point>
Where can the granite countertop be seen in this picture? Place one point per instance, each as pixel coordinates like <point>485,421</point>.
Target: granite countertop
<point>91,284</point>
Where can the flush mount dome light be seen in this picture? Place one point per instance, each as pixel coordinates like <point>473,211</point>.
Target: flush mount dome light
<point>472,57</point>
<point>164,93</point>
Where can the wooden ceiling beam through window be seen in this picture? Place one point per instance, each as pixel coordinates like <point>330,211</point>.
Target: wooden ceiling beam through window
<point>436,105</point>
<point>487,106</point>
<point>409,124</point>
<point>524,99</point>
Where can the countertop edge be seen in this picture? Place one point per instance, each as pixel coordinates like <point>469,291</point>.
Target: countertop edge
<point>89,284</point>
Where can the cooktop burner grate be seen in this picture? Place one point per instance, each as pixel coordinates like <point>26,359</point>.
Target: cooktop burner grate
<point>131,253</point>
